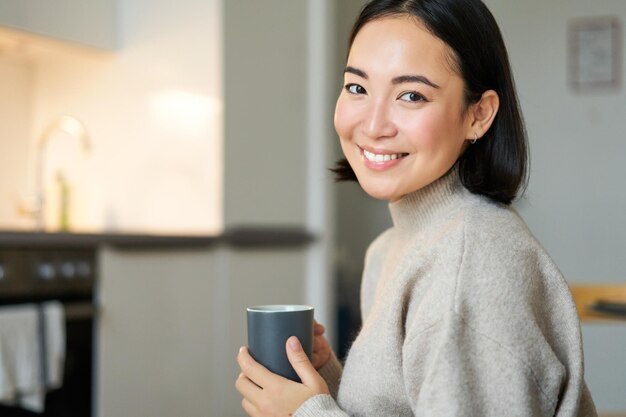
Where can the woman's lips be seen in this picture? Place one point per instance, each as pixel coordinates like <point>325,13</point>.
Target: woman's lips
<point>379,160</point>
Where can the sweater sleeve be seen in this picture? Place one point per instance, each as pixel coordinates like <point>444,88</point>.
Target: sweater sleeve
<point>322,405</point>
<point>325,405</point>
<point>466,373</point>
<point>331,372</point>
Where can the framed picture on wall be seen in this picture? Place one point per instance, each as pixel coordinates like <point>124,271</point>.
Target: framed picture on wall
<point>595,61</point>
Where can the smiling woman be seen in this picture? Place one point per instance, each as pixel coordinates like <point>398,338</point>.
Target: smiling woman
<point>464,312</point>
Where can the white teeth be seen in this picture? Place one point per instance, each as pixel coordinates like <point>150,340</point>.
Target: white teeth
<point>381,157</point>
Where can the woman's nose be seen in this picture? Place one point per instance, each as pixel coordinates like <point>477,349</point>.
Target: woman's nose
<point>377,123</point>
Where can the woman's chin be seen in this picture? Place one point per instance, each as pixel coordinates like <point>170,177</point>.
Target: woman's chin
<point>379,191</point>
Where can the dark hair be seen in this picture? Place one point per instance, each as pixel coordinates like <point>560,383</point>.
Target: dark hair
<point>497,165</point>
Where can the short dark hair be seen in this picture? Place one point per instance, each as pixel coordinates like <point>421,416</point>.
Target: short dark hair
<point>497,165</point>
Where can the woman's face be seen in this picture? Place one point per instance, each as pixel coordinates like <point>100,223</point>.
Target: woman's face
<point>400,115</point>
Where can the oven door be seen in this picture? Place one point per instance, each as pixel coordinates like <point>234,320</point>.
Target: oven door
<point>36,275</point>
<point>74,397</point>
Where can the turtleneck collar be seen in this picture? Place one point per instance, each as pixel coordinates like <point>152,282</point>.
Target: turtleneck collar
<point>419,208</point>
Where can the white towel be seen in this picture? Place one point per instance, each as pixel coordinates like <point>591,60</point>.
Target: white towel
<point>21,370</point>
<point>55,343</point>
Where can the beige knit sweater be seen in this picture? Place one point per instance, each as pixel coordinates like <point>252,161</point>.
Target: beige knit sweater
<point>464,314</point>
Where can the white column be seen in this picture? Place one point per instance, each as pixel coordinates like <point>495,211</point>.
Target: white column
<point>320,274</point>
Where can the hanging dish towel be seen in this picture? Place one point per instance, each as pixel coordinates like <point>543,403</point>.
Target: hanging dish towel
<point>32,352</point>
<point>54,343</point>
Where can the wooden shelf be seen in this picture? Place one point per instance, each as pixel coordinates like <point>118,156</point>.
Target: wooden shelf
<point>586,294</point>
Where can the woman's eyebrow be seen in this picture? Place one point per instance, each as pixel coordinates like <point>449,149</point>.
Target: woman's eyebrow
<point>356,71</point>
<point>397,80</point>
<point>414,79</point>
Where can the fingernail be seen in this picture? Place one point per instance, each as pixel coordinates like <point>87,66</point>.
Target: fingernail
<point>294,344</point>
<point>241,349</point>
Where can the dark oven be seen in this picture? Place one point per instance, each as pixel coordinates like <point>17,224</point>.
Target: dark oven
<point>35,275</point>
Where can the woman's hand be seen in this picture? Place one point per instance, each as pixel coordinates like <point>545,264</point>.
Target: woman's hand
<point>321,347</point>
<point>266,394</point>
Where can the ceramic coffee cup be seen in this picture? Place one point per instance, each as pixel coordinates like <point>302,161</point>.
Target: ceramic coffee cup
<point>269,327</point>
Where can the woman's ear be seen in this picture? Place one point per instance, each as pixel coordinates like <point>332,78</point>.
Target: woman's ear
<point>482,114</point>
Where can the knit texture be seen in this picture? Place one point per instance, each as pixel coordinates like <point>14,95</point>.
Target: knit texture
<point>464,314</point>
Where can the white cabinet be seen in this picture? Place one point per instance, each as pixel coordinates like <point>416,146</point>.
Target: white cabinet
<point>156,349</point>
<point>88,22</point>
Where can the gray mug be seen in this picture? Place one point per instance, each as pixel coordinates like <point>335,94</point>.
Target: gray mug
<point>270,326</point>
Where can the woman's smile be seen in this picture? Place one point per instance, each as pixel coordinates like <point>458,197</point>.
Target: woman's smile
<point>380,159</point>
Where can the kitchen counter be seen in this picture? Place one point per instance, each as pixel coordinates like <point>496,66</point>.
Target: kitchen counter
<point>163,299</point>
<point>78,240</point>
<point>244,237</point>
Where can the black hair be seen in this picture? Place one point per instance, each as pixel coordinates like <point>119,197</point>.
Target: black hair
<point>497,165</point>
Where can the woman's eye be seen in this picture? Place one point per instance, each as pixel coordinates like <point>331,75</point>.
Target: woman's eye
<point>412,97</point>
<point>355,89</point>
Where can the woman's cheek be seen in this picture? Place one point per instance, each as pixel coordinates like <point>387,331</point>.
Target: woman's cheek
<point>421,131</point>
<point>344,119</point>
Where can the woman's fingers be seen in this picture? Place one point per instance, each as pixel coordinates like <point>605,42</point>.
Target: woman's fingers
<point>249,408</point>
<point>318,329</point>
<point>256,372</point>
<point>247,388</point>
<point>318,344</point>
<point>321,354</point>
<point>250,392</point>
<point>303,366</point>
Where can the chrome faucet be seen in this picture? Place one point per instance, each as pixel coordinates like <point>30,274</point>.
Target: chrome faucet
<point>63,124</point>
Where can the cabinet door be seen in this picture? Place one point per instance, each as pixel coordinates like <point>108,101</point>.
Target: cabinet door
<point>159,345</point>
<point>87,22</point>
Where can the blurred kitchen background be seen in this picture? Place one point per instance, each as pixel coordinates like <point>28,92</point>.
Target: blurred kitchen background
<point>176,155</point>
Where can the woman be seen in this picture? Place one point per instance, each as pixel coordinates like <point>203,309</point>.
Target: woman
<point>464,313</point>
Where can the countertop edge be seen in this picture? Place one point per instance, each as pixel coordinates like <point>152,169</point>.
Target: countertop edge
<point>243,238</point>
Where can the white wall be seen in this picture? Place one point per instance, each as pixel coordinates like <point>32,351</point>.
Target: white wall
<point>266,110</point>
<point>16,78</point>
<point>576,139</point>
<point>154,112</point>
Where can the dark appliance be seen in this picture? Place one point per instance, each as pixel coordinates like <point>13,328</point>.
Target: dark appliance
<point>34,275</point>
